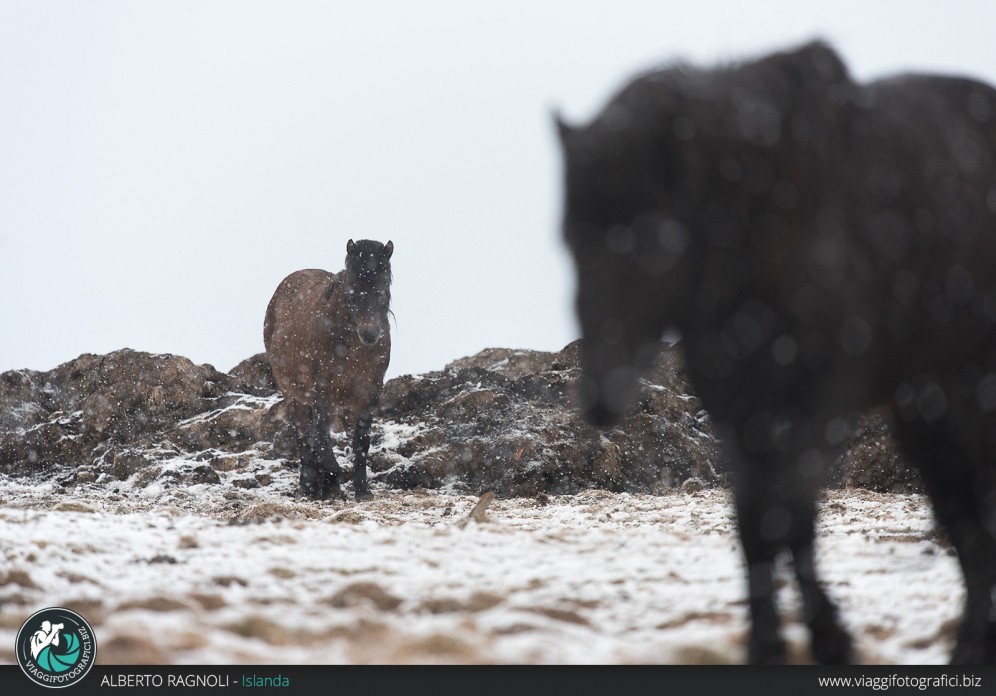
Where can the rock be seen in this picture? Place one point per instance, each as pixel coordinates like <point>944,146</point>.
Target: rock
<point>502,420</point>
<point>693,485</point>
<point>253,376</point>
<point>871,460</point>
<point>127,461</point>
<point>127,394</point>
<point>60,417</point>
<point>246,482</point>
<point>177,477</point>
<point>204,474</point>
<point>506,421</point>
<point>234,421</point>
<point>42,446</point>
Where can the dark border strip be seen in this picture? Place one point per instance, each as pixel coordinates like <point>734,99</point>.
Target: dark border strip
<point>515,680</point>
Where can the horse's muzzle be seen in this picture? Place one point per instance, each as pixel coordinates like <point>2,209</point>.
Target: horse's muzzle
<point>369,336</point>
<point>594,405</point>
<point>599,415</point>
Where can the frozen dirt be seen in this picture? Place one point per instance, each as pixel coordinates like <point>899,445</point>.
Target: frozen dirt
<point>221,575</point>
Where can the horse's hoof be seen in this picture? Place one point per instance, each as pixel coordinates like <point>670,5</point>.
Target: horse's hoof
<point>327,490</point>
<point>979,653</point>
<point>312,492</point>
<point>833,648</point>
<point>767,652</point>
<point>328,494</point>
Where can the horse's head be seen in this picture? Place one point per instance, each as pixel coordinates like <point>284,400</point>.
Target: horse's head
<point>666,194</point>
<point>631,241</point>
<point>368,287</point>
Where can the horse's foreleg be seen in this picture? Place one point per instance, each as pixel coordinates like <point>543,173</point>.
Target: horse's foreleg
<point>754,501</point>
<point>319,469</point>
<point>361,444</point>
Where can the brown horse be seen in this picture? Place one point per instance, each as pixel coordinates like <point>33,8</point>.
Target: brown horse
<point>328,341</point>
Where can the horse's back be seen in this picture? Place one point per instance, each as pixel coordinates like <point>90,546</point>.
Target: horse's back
<point>294,301</point>
<point>927,159</point>
<point>956,98</point>
<point>290,328</point>
<point>949,120</point>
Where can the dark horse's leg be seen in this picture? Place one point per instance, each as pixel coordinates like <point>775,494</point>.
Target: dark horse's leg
<point>962,488</point>
<point>776,509</point>
<point>361,444</point>
<point>831,645</point>
<point>754,501</point>
<point>319,469</point>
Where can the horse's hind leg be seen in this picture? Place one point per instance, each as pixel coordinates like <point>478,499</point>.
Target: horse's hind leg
<point>963,491</point>
<point>361,445</point>
<point>319,469</point>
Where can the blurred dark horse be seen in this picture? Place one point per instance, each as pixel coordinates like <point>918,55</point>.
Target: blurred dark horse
<point>824,247</point>
<point>328,341</point>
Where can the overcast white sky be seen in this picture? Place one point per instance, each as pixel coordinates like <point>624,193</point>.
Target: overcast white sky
<point>163,165</point>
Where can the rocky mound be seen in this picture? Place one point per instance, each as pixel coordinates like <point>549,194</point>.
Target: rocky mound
<point>503,420</point>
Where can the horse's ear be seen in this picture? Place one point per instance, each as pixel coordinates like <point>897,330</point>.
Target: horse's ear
<point>389,248</point>
<point>563,130</point>
<point>815,76</point>
<point>350,247</point>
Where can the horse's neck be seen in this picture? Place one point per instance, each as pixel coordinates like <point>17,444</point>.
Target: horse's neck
<point>336,308</point>
<point>336,285</point>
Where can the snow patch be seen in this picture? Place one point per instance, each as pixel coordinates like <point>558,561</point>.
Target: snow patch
<point>221,576</point>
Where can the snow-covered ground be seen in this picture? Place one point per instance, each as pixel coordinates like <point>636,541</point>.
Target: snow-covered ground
<point>221,575</point>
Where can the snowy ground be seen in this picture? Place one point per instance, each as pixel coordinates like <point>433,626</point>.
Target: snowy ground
<point>221,575</point>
